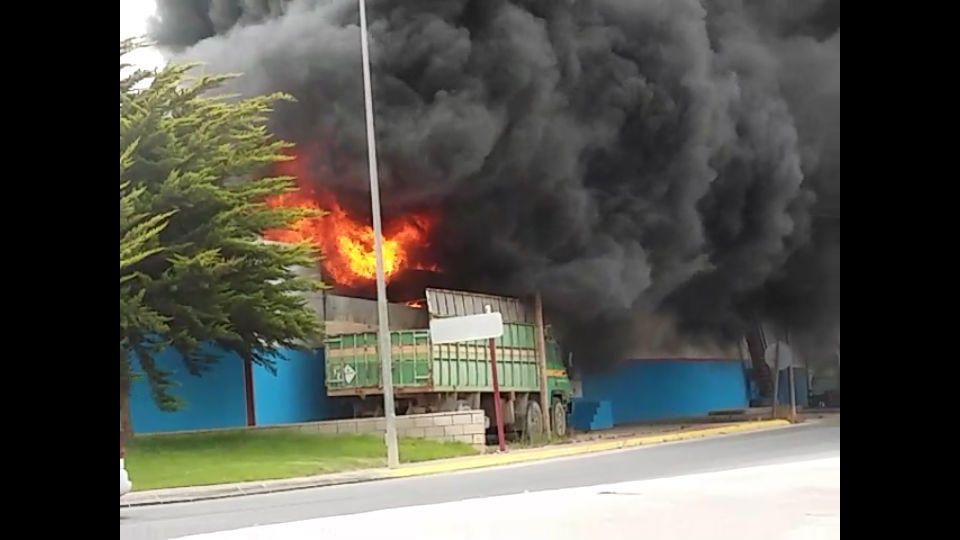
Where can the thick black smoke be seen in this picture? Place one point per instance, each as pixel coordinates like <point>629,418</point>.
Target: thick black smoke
<point>626,157</point>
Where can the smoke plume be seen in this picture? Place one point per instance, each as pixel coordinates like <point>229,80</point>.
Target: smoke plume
<point>625,157</point>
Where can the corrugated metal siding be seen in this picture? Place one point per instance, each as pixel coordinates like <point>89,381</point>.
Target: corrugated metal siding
<point>344,314</point>
<point>444,303</point>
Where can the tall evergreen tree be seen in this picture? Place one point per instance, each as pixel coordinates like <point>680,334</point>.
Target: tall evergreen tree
<point>194,172</point>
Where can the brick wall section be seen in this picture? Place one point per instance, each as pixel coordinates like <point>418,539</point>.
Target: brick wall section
<point>462,426</point>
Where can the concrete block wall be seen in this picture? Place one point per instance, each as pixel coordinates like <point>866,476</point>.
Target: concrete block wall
<point>462,426</point>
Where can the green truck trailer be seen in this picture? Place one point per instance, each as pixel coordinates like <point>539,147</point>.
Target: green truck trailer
<point>456,376</point>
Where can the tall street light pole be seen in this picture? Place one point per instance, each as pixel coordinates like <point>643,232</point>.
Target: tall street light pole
<point>383,324</point>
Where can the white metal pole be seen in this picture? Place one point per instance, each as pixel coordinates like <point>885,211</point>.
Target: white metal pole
<point>776,379</point>
<point>383,323</point>
<point>793,383</point>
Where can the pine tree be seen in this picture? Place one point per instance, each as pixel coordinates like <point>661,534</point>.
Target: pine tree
<point>194,180</point>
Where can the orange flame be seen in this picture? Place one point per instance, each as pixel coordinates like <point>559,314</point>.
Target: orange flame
<point>347,244</point>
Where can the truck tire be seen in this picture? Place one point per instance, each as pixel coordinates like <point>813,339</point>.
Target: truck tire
<point>533,423</point>
<point>558,418</point>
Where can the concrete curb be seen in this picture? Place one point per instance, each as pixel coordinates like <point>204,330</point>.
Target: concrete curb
<point>225,491</point>
<point>550,452</point>
<point>200,493</point>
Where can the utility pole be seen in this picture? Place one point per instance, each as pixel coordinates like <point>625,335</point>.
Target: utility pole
<point>497,406</point>
<point>776,378</point>
<point>542,361</point>
<point>793,386</point>
<point>383,323</point>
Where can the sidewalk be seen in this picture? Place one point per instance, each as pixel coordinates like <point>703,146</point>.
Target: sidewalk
<point>652,435</point>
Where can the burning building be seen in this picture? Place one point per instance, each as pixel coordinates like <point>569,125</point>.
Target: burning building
<point>626,158</point>
<point>345,240</point>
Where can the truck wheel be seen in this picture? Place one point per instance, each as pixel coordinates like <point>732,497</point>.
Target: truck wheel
<point>559,419</point>
<point>533,424</point>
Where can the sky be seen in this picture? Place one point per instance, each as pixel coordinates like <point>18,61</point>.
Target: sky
<point>133,23</point>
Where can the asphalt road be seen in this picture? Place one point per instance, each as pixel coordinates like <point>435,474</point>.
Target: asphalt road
<point>785,445</point>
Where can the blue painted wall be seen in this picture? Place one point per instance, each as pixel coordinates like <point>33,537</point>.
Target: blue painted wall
<point>648,390</point>
<point>800,383</point>
<point>214,400</point>
<point>295,394</point>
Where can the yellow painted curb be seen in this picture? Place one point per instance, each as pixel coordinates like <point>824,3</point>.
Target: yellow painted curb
<point>522,456</point>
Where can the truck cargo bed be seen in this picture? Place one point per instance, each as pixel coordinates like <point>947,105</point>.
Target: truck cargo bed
<point>353,368</point>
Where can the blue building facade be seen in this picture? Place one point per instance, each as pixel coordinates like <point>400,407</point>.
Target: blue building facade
<point>295,393</point>
<point>645,390</point>
<point>640,390</point>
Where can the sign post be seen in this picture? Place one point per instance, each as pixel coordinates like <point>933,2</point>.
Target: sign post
<point>793,387</point>
<point>793,394</point>
<point>487,326</point>
<point>779,357</point>
<point>497,406</point>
